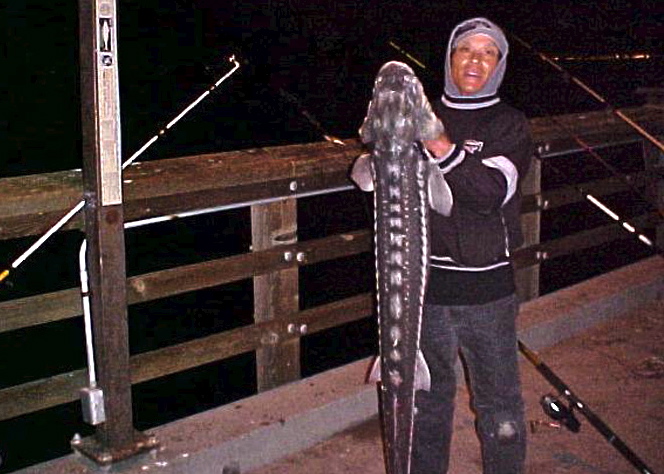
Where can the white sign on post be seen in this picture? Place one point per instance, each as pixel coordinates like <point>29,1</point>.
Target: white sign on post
<point>109,105</point>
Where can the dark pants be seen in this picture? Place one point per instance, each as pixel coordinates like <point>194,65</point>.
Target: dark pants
<point>486,336</point>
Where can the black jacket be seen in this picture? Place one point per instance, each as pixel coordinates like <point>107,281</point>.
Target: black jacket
<point>492,154</point>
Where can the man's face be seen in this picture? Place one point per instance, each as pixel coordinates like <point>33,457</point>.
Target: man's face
<point>473,61</point>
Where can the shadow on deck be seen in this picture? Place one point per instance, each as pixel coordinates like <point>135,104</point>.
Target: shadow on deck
<point>603,337</point>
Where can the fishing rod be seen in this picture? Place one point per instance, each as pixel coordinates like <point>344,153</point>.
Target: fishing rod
<point>595,201</point>
<point>603,207</point>
<point>590,91</point>
<point>293,100</point>
<point>72,212</point>
<point>602,100</point>
<point>554,408</point>
<point>589,149</point>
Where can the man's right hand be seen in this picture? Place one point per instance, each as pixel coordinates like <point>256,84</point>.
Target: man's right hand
<point>439,147</point>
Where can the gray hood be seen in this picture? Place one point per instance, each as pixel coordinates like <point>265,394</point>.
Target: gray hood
<point>488,95</point>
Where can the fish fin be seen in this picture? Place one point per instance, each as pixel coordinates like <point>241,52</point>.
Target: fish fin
<point>362,173</point>
<point>430,126</point>
<point>422,373</point>
<point>440,194</point>
<point>374,371</point>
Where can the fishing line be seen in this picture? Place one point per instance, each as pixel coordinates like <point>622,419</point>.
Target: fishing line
<point>67,217</point>
<point>625,224</point>
<point>592,92</point>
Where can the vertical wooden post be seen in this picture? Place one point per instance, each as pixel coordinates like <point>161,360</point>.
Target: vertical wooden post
<point>276,294</point>
<point>654,165</point>
<point>653,159</point>
<point>527,279</point>
<point>116,438</point>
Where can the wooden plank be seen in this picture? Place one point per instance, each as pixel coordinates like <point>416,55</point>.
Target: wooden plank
<point>580,241</point>
<point>203,181</point>
<point>40,309</point>
<point>565,195</point>
<point>585,124</point>
<point>228,344</point>
<point>65,304</point>
<point>37,193</point>
<point>41,394</point>
<point>23,225</point>
<point>63,388</point>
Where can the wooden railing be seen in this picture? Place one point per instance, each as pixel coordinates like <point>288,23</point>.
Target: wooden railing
<point>270,181</point>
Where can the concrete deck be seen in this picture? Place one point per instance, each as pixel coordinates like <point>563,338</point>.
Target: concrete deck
<point>604,338</point>
<point>616,367</point>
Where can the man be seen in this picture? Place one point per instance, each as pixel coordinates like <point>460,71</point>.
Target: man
<point>470,303</point>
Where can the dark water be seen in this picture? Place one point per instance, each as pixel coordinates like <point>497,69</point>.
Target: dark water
<point>163,71</point>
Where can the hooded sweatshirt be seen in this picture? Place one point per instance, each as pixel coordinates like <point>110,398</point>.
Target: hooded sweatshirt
<point>471,246</point>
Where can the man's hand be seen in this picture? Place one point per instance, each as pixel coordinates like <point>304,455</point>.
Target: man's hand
<point>441,146</point>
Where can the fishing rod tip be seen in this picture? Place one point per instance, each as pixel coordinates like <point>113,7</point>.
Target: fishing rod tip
<point>334,140</point>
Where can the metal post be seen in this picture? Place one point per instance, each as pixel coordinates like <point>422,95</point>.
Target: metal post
<point>115,439</point>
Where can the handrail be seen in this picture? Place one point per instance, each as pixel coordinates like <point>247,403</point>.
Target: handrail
<point>32,203</point>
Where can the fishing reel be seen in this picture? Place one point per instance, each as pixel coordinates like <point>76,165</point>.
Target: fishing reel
<point>557,411</point>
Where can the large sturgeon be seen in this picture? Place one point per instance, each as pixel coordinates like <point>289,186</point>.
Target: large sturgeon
<point>398,118</point>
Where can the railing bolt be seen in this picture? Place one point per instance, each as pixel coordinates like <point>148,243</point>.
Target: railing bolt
<point>288,256</point>
<point>270,338</point>
<point>542,203</point>
<point>293,186</point>
<point>544,148</point>
<point>294,329</point>
<point>300,256</point>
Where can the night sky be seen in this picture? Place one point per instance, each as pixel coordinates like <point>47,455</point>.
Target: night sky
<point>318,56</point>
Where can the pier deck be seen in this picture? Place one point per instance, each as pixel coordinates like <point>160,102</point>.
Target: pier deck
<point>617,368</point>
